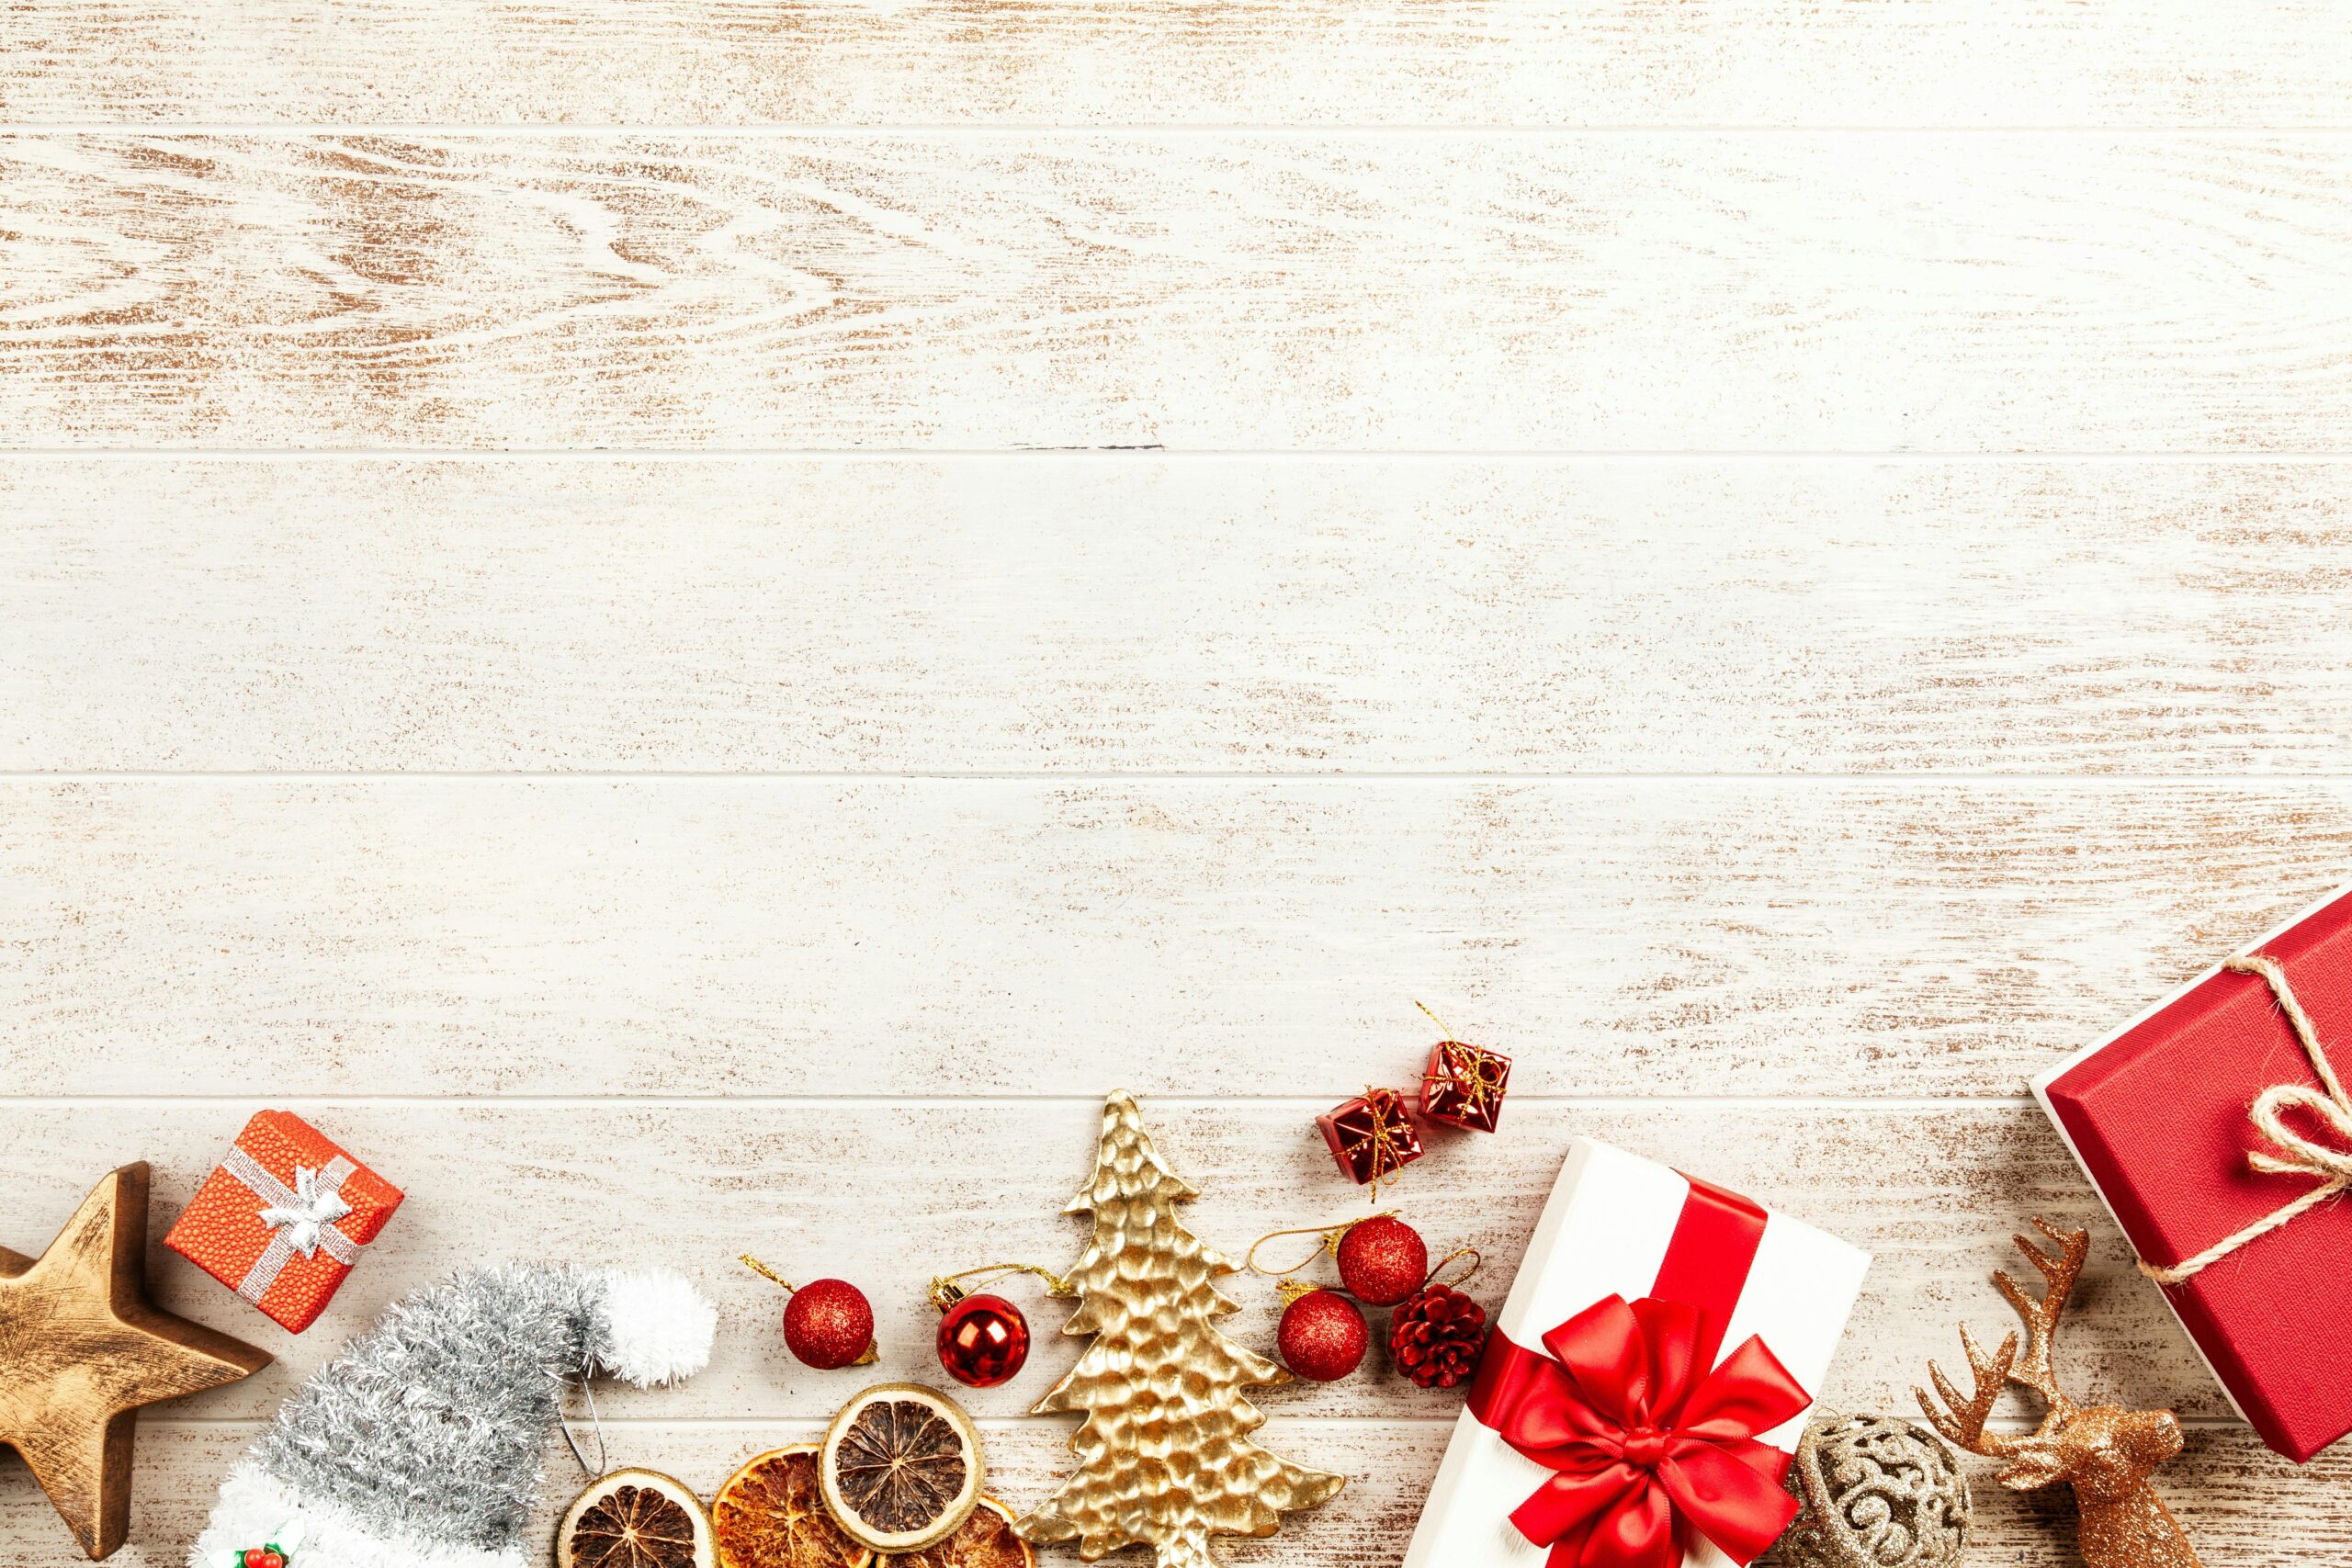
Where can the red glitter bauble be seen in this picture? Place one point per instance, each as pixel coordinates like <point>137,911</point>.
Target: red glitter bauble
<point>828,1324</point>
<point>1436,1338</point>
<point>983,1340</point>
<point>1322,1335</point>
<point>1383,1261</point>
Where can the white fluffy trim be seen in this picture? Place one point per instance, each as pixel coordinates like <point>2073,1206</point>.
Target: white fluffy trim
<point>660,1326</point>
<point>256,1507</point>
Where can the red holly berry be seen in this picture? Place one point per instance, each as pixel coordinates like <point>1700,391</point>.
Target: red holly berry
<point>1435,1336</point>
<point>1383,1261</point>
<point>256,1556</point>
<point>1322,1335</point>
<point>983,1340</point>
<point>827,1324</point>
<point>273,1560</point>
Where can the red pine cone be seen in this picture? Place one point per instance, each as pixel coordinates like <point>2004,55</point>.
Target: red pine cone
<point>1435,1336</point>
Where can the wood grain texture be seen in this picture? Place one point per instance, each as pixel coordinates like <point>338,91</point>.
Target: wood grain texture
<point>1198,937</point>
<point>1521,367</point>
<point>1930,292</point>
<point>83,1352</point>
<point>887,1194</point>
<point>1962,63</point>
<point>1143,614</point>
<point>2240,1503</point>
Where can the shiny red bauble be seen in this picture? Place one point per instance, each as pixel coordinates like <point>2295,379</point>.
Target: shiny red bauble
<point>829,1324</point>
<point>1322,1335</point>
<point>983,1340</point>
<point>1383,1261</point>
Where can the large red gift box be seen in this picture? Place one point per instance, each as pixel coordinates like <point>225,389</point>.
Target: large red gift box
<point>2159,1114</point>
<point>282,1219</point>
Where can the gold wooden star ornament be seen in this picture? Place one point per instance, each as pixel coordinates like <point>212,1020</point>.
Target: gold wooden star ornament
<point>81,1350</point>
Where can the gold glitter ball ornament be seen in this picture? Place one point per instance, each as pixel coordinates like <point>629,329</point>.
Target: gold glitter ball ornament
<point>1164,1457</point>
<point>1875,1492</point>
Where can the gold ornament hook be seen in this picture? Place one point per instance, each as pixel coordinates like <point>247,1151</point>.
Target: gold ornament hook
<point>946,1290</point>
<point>1328,1241</point>
<point>1461,1280</point>
<point>765,1272</point>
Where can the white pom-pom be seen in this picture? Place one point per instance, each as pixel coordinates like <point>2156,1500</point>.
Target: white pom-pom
<point>660,1328</point>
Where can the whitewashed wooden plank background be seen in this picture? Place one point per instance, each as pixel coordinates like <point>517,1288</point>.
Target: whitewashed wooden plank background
<point>1784,563</point>
<point>1966,62</point>
<point>1765,290</point>
<point>707,936</point>
<point>1128,613</point>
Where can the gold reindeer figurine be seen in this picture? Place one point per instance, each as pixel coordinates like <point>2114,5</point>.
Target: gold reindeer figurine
<point>2106,1452</point>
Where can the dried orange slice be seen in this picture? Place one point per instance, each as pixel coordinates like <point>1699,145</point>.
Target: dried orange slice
<point>770,1513</point>
<point>901,1467</point>
<point>636,1519</point>
<point>983,1540</point>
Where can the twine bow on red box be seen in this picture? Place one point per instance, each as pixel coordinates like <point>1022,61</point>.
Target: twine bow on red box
<point>1644,1440</point>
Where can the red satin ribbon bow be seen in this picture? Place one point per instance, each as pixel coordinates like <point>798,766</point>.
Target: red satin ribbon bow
<point>1645,1441</point>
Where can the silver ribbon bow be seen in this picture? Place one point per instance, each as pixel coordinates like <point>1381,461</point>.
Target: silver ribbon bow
<point>300,1218</point>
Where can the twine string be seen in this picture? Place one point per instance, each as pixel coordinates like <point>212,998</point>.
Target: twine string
<point>2291,1152</point>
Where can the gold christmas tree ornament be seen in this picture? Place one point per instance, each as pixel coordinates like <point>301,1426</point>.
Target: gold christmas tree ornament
<point>1165,1458</point>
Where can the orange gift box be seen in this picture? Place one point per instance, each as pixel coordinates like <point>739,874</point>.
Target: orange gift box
<point>283,1218</point>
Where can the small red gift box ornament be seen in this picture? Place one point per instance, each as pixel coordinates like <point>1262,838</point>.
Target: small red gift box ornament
<point>1372,1136</point>
<point>283,1218</point>
<point>1464,1085</point>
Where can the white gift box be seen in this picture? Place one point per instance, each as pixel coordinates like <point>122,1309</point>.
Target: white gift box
<point>1606,1230</point>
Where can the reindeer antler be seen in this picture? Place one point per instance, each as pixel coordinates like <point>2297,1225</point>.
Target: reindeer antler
<point>1963,1427</point>
<point>2058,1273</point>
<point>1964,1424</point>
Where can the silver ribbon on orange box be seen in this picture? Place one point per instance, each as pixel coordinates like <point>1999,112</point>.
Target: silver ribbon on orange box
<point>300,1218</point>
